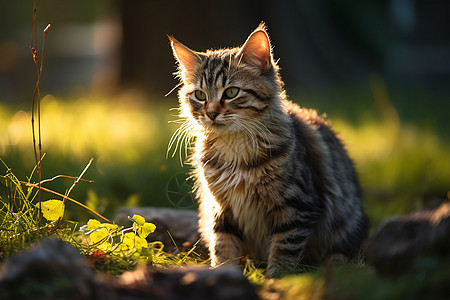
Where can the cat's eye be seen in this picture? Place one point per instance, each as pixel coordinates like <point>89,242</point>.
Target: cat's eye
<point>200,95</point>
<point>231,92</point>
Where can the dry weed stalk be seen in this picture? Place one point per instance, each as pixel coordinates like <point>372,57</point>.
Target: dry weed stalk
<point>36,100</point>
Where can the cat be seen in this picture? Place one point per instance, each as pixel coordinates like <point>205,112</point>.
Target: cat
<point>273,180</point>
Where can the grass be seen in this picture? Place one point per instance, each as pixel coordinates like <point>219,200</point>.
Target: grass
<point>20,224</point>
<point>110,247</point>
<point>128,141</point>
<point>402,167</point>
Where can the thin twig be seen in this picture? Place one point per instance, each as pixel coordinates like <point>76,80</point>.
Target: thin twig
<point>39,100</point>
<point>33,47</point>
<point>68,198</point>
<point>33,185</point>
<point>36,100</point>
<point>65,176</point>
<point>78,180</point>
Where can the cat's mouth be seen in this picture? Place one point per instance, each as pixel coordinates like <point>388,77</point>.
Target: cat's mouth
<point>220,123</point>
<point>227,123</point>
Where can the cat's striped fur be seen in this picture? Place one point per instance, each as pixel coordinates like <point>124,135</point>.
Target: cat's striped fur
<point>273,180</point>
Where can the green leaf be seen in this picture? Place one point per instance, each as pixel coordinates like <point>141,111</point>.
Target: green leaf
<point>52,210</point>
<point>146,229</point>
<point>99,235</point>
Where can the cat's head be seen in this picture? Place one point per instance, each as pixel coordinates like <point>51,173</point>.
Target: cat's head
<point>225,89</point>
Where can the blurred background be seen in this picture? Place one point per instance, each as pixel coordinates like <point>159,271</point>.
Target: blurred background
<point>380,70</point>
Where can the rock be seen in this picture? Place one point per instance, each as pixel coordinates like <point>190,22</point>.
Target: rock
<point>395,248</point>
<point>181,223</point>
<point>51,270</point>
<point>55,270</point>
<point>191,283</point>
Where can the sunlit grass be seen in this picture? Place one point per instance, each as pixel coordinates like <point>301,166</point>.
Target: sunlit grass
<point>401,167</point>
<point>111,248</point>
<point>20,224</point>
<point>127,138</point>
<point>104,128</point>
<point>303,287</point>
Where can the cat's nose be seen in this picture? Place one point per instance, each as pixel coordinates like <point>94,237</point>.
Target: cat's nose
<point>212,114</point>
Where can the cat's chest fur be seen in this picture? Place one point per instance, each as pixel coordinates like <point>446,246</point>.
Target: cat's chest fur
<point>239,192</point>
<point>241,174</point>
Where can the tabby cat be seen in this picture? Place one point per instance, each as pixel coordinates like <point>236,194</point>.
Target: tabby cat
<point>273,180</point>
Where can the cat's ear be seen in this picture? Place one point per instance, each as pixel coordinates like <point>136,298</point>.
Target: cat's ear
<point>188,59</point>
<point>256,51</point>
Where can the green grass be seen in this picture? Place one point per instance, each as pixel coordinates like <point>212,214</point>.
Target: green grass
<point>20,224</point>
<point>402,167</point>
<point>128,141</point>
<point>429,280</point>
<point>111,248</point>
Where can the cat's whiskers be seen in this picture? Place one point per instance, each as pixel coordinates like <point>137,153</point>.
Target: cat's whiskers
<point>249,134</point>
<point>185,140</point>
<point>175,137</point>
<point>253,142</point>
<point>255,132</point>
<point>183,136</point>
<point>257,128</point>
<point>178,121</point>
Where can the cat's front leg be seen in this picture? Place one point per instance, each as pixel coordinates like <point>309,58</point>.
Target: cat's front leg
<point>226,243</point>
<point>286,250</point>
<point>224,249</point>
<point>291,227</point>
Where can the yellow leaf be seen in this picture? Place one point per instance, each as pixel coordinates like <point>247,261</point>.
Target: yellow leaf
<point>52,210</point>
<point>138,219</point>
<point>146,229</point>
<point>93,224</point>
<point>120,249</point>
<point>99,235</point>
<point>105,246</point>
<point>134,241</point>
<point>110,226</point>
